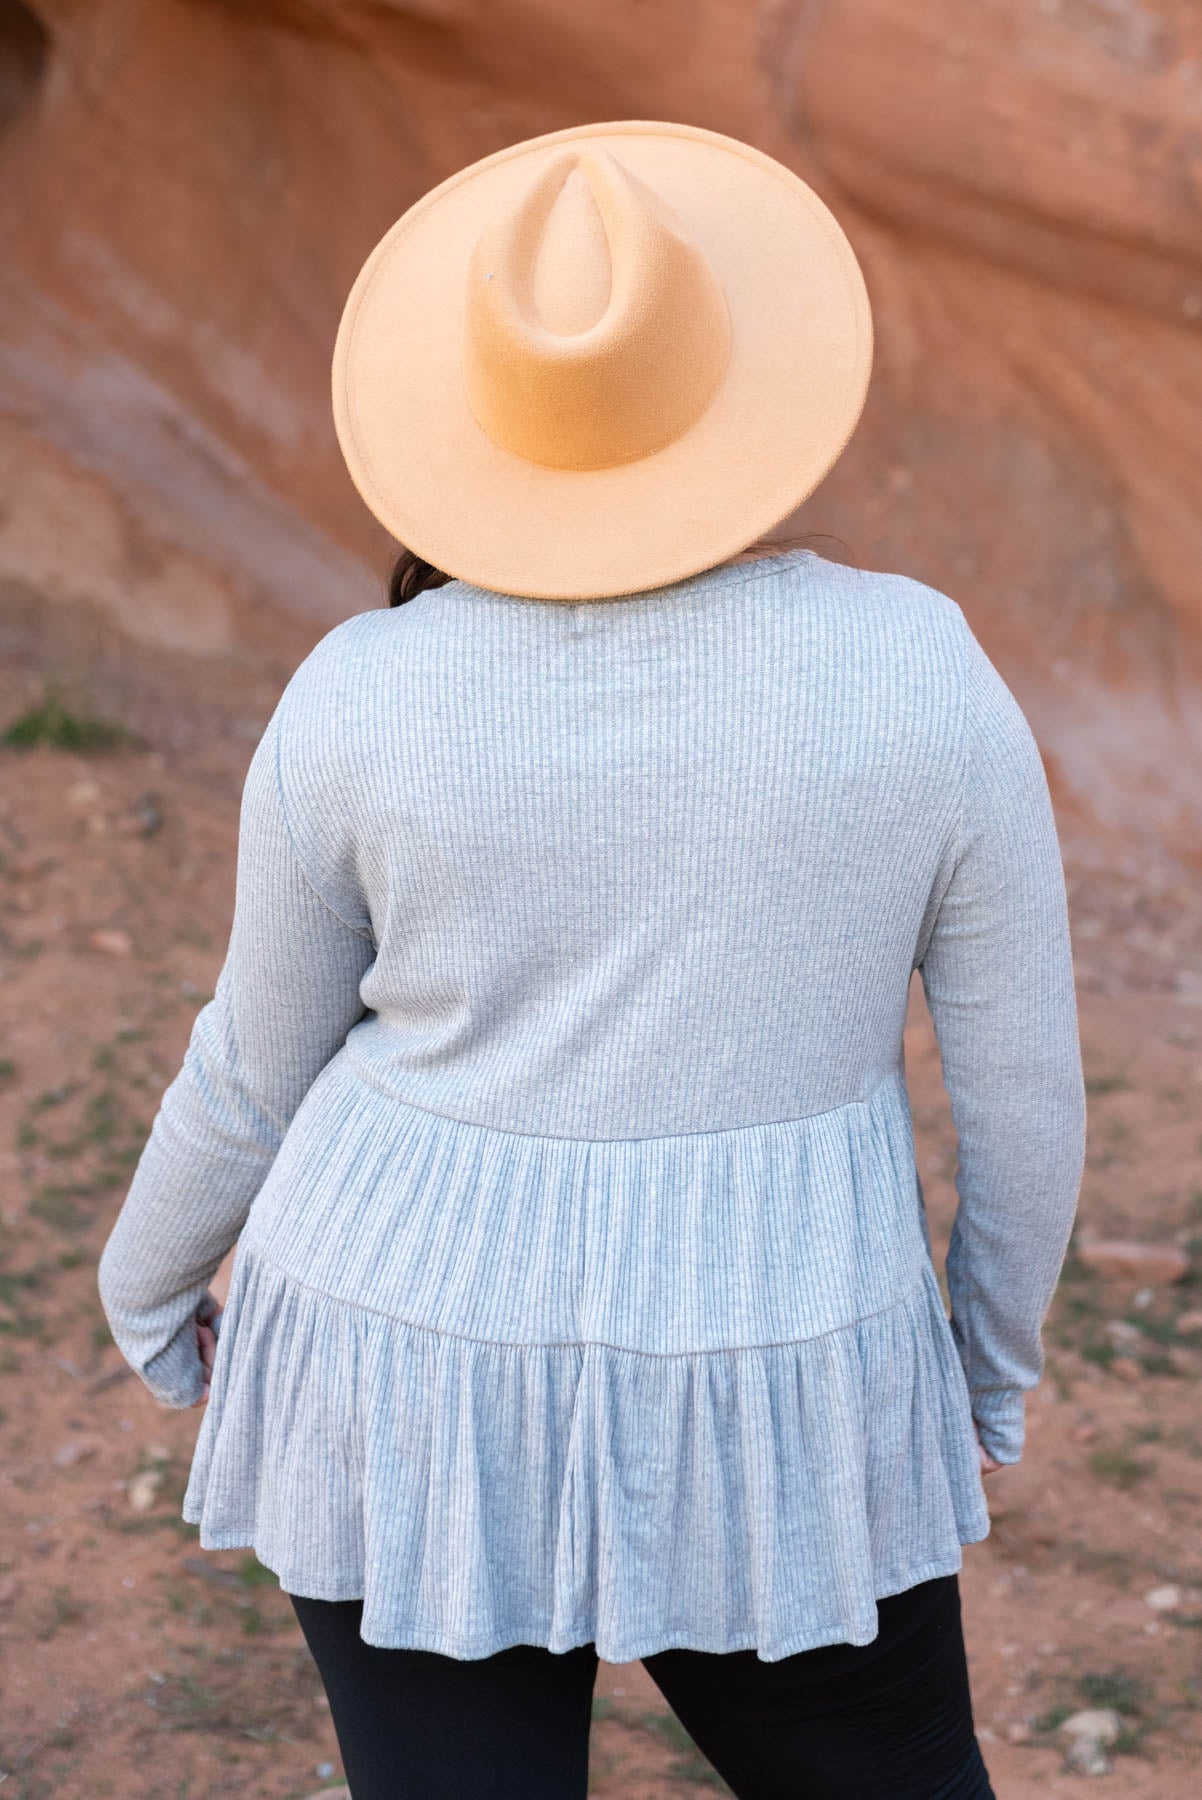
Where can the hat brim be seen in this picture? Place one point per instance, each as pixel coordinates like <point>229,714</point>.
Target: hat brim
<point>791,397</point>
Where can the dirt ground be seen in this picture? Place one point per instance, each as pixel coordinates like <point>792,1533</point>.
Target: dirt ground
<point>135,1663</point>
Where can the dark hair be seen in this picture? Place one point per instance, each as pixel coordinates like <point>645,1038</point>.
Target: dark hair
<point>411,573</point>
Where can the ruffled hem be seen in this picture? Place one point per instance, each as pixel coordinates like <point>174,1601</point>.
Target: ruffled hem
<point>477,1494</point>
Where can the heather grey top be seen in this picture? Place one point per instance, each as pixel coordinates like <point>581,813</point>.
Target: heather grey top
<point>553,1092</point>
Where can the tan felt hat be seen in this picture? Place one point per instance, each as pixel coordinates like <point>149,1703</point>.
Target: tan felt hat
<point>601,360</point>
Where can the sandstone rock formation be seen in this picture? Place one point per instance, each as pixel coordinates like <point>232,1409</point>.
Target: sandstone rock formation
<point>187,188</point>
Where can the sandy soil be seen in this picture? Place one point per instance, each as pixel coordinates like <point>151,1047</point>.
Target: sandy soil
<point>135,1663</point>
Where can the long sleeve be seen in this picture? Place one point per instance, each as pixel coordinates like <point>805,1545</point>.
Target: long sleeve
<point>998,978</point>
<point>286,996</point>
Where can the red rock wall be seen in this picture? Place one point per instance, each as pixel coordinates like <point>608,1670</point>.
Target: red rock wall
<point>187,188</point>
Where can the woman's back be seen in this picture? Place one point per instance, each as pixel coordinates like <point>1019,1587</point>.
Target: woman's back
<point>656,865</point>
<point>559,1050</point>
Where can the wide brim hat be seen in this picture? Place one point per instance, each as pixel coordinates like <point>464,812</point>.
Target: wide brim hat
<point>601,360</point>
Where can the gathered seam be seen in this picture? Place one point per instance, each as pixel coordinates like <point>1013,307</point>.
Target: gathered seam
<point>257,1255</point>
<point>862,1101</point>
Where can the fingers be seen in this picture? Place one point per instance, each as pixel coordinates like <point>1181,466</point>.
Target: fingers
<point>988,1465</point>
<point>206,1343</point>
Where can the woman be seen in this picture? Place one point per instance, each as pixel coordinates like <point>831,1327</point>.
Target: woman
<point>553,1084</point>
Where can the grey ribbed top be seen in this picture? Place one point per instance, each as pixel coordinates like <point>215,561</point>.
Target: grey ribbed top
<point>553,1092</point>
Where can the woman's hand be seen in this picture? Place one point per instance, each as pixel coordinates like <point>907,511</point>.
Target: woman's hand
<point>206,1344</point>
<point>988,1465</point>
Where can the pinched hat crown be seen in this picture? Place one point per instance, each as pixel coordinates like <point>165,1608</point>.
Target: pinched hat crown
<point>595,330</point>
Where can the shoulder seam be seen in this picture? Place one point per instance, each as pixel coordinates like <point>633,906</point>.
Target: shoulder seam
<point>346,627</point>
<point>329,644</point>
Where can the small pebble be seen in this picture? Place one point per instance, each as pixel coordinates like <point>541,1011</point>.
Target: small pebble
<point>111,942</point>
<point>1121,1331</point>
<point>143,1489</point>
<point>1086,1734</point>
<point>1163,1599</point>
<point>75,1450</point>
<point>1101,1723</point>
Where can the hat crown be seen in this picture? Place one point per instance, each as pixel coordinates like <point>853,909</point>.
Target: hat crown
<point>595,329</point>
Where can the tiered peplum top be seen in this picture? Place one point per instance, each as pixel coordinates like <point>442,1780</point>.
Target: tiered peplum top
<point>553,1093</point>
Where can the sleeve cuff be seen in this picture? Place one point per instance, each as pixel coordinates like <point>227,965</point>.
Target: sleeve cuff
<point>1001,1423</point>
<point>174,1375</point>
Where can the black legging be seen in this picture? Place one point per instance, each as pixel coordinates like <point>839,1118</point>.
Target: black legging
<point>889,1720</point>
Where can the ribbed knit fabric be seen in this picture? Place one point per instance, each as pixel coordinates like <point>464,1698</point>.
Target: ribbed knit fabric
<point>553,1092</point>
